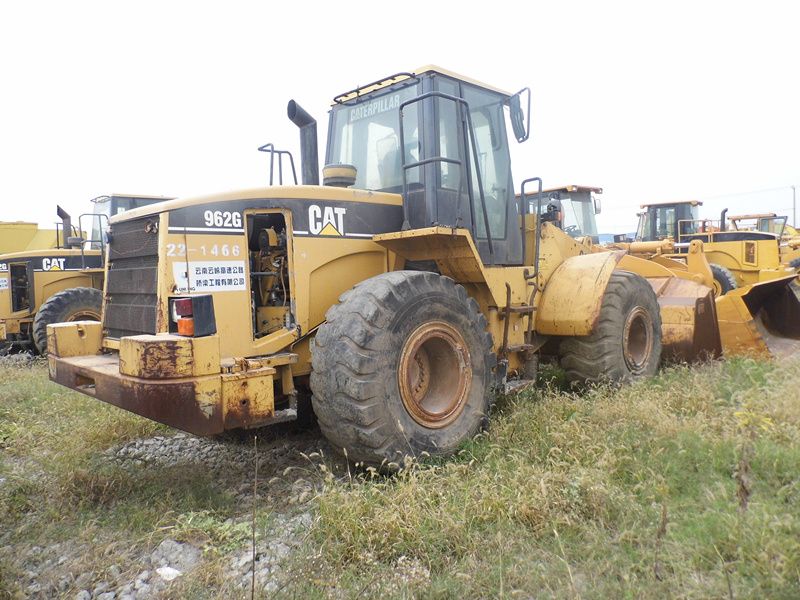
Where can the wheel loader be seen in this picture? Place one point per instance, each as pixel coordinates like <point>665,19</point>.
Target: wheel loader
<point>56,284</point>
<point>395,298</point>
<point>788,237</point>
<point>737,258</point>
<point>741,313</point>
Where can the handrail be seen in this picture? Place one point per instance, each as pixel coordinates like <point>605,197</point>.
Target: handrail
<point>375,85</point>
<point>272,152</point>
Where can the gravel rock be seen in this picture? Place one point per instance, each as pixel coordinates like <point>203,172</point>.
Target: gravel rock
<point>107,596</point>
<point>100,588</point>
<point>177,555</point>
<point>168,573</point>
<point>83,595</point>
<point>141,579</point>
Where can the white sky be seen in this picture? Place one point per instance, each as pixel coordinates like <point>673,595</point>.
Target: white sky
<point>651,102</point>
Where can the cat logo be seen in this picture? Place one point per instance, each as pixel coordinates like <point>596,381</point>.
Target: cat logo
<point>53,264</point>
<point>327,221</point>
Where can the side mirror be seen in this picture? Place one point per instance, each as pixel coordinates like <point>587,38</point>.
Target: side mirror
<point>521,120</point>
<point>597,205</point>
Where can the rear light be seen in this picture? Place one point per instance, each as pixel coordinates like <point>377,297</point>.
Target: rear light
<point>186,326</point>
<point>193,316</point>
<point>183,307</point>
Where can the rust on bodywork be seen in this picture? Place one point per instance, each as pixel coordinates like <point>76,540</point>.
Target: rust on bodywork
<point>166,356</point>
<point>189,404</point>
<point>249,397</point>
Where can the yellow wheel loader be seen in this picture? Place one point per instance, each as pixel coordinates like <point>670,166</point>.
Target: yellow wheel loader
<point>737,258</point>
<point>63,283</point>
<point>396,296</point>
<point>788,236</point>
<point>756,319</point>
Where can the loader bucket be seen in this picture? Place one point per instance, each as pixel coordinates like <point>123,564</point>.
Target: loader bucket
<point>689,329</point>
<point>762,319</point>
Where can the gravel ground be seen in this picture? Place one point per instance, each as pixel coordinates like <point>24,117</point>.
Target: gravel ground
<point>287,486</point>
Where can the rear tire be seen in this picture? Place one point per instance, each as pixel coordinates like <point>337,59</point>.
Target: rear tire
<point>402,366</point>
<point>626,342</point>
<point>74,304</point>
<point>724,280</point>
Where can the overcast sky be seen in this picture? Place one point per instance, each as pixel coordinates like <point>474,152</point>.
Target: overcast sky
<point>678,100</point>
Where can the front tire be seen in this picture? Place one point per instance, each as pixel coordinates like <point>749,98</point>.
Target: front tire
<point>402,366</point>
<point>74,304</point>
<point>724,280</point>
<point>626,341</point>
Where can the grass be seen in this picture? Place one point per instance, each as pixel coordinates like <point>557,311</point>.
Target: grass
<point>686,485</point>
<point>620,493</point>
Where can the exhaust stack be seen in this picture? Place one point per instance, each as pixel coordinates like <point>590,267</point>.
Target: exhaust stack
<point>722,226</point>
<point>308,142</point>
<point>66,228</point>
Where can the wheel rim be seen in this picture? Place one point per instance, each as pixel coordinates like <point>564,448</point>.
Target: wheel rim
<point>435,374</point>
<point>637,339</point>
<point>84,315</point>
<point>717,288</point>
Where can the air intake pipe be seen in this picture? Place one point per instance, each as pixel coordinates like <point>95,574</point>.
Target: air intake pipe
<point>722,225</point>
<point>308,142</point>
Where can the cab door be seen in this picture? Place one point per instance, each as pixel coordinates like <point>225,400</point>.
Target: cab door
<point>493,214</point>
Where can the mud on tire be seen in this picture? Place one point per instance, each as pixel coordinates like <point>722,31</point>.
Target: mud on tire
<point>626,342</point>
<point>403,365</point>
<point>74,304</point>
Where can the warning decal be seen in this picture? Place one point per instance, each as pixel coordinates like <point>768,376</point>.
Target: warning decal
<point>211,276</point>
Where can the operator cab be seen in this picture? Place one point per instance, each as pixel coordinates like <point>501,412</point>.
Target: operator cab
<point>572,208</point>
<point>441,141</point>
<point>106,207</point>
<point>668,221</point>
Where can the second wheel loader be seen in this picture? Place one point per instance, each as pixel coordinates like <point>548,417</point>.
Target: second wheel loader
<point>42,286</point>
<point>397,296</point>
<point>737,257</point>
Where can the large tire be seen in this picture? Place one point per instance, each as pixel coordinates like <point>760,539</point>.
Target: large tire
<point>402,366</point>
<point>626,342</point>
<point>74,304</point>
<point>724,280</point>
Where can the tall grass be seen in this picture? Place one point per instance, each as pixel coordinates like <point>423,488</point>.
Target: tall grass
<point>633,492</point>
<point>686,485</point>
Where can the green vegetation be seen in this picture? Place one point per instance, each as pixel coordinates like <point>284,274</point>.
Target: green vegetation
<point>686,485</point>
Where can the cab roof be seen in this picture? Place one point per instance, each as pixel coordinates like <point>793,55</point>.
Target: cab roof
<point>398,77</point>
<point>672,203</point>
<point>571,189</point>
<point>753,216</point>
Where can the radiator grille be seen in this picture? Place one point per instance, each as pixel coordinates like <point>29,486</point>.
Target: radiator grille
<point>132,286</point>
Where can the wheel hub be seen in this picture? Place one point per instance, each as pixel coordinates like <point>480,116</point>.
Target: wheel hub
<point>434,374</point>
<point>84,315</point>
<point>637,339</point>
